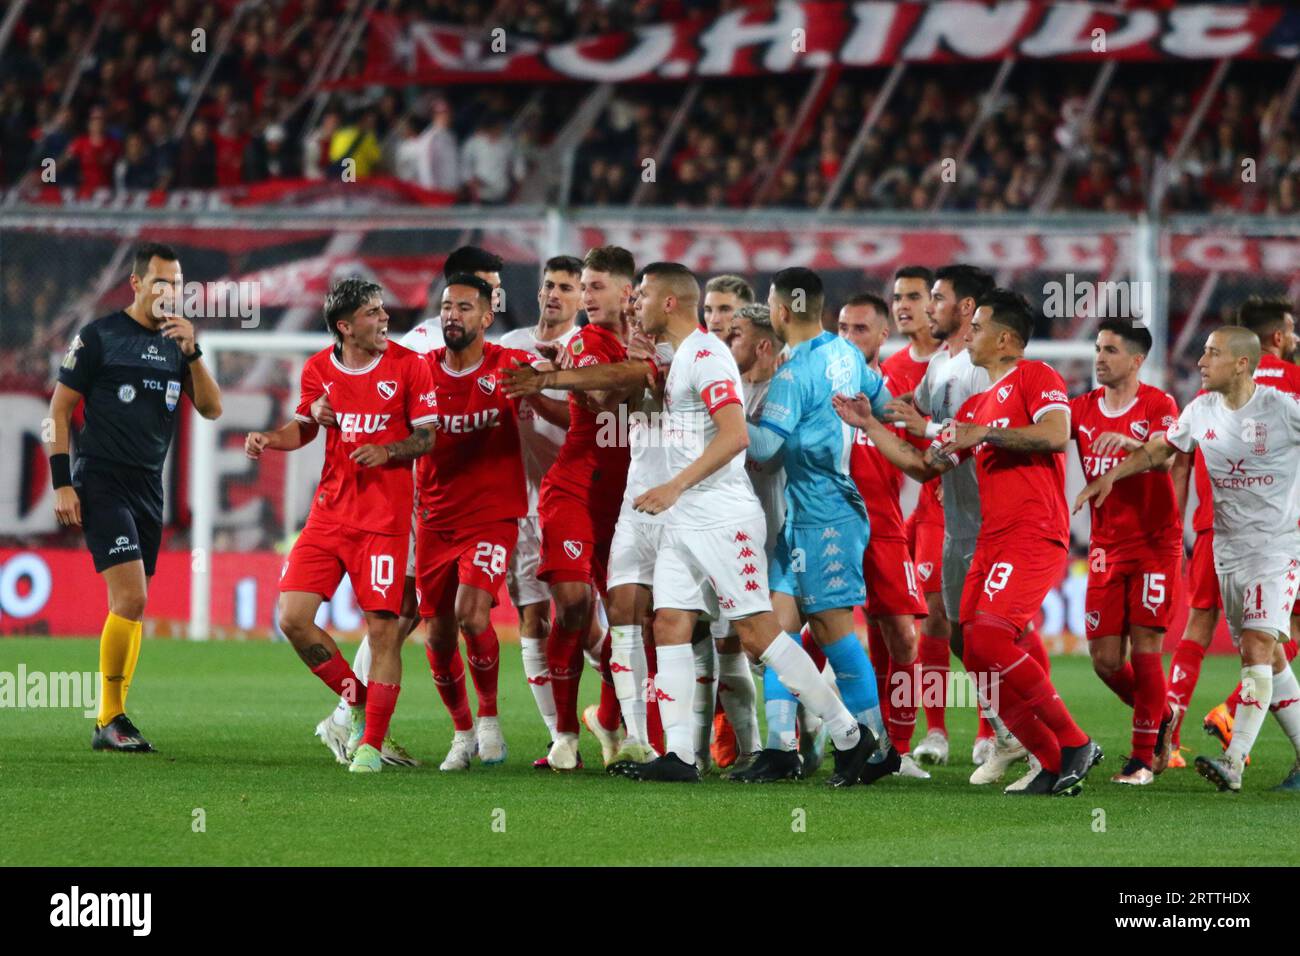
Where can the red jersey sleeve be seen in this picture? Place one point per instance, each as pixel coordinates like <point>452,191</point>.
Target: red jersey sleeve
<point>1076,404</point>
<point>964,414</point>
<point>309,389</point>
<point>1044,391</point>
<point>421,404</point>
<point>1163,414</point>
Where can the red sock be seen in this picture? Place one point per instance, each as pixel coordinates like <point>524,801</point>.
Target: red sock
<point>609,713</point>
<point>1032,644</point>
<point>1015,713</point>
<point>484,661</point>
<point>1184,671</point>
<point>1123,682</point>
<point>934,680</point>
<point>564,657</point>
<point>449,677</point>
<point>653,723</point>
<point>338,677</point>
<point>380,703</point>
<point>1149,704</point>
<point>1233,699</point>
<point>812,647</point>
<point>1290,649</point>
<point>983,728</point>
<point>902,715</point>
<point>880,663</point>
<point>1017,671</point>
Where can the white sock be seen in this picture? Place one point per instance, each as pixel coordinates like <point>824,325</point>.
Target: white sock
<point>360,667</point>
<point>539,679</point>
<point>1285,704</point>
<point>675,683</point>
<point>739,699</point>
<point>593,654</point>
<point>1256,694</point>
<point>706,682</point>
<point>627,651</point>
<point>798,673</point>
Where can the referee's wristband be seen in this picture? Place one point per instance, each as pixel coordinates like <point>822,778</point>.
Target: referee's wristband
<point>933,429</point>
<point>194,356</point>
<point>60,471</point>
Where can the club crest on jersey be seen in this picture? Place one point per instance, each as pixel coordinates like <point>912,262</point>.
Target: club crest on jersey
<point>573,549</point>
<point>1255,434</point>
<point>487,383</point>
<point>173,394</point>
<point>1093,620</point>
<point>1004,392</point>
<point>1140,429</point>
<point>576,346</point>
<point>386,389</point>
<point>925,569</point>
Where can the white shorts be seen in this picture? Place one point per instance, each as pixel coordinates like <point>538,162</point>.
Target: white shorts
<point>632,552</point>
<point>957,556</point>
<point>1259,597</point>
<point>720,628</point>
<point>521,576</point>
<point>719,571</point>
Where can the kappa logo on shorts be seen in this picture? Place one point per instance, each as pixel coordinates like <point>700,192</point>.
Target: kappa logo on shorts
<point>926,568</point>
<point>487,383</point>
<point>1004,392</point>
<point>1093,620</point>
<point>387,389</point>
<point>573,549</point>
<point>1140,429</point>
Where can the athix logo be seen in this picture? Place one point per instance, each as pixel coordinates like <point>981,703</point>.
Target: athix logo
<point>73,909</point>
<point>386,389</point>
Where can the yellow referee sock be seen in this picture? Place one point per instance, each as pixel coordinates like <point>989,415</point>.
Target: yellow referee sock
<point>114,654</point>
<point>137,633</point>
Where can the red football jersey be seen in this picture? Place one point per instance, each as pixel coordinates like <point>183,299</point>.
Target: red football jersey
<point>476,469</point>
<point>1021,493</point>
<point>1141,515</point>
<point>879,483</point>
<point>907,371</point>
<point>1275,373</point>
<point>375,405</point>
<point>584,469</point>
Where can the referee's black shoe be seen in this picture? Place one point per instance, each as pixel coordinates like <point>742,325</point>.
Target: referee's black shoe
<point>770,766</point>
<point>1075,764</point>
<point>120,734</point>
<point>849,763</point>
<point>872,772</point>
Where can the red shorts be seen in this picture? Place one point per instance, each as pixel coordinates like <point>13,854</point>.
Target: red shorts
<point>1137,591</point>
<point>569,551</point>
<point>892,587</point>
<point>925,540</point>
<point>1202,581</point>
<point>1010,577</point>
<point>373,562</point>
<point>477,556</point>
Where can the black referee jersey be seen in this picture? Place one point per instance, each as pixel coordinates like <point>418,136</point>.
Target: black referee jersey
<point>132,380</point>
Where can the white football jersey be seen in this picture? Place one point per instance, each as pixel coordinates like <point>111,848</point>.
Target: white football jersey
<point>426,336</point>
<point>539,439</point>
<point>642,427</point>
<point>948,381</point>
<point>1252,455</point>
<point>768,477</point>
<point>702,379</point>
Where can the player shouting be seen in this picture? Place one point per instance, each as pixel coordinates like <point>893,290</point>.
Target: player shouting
<point>712,556</point>
<point>1136,543</point>
<point>1017,432</point>
<point>382,396</point>
<point>1250,439</point>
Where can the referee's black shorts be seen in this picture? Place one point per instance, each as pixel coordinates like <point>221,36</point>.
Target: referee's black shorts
<point>121,513</point>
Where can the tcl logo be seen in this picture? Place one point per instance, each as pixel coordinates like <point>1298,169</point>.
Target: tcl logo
<point>367,424</point>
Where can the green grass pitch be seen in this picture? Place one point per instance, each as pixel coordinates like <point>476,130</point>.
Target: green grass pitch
<point>234,721</point>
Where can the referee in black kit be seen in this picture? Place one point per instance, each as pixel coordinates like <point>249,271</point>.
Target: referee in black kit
<point>130,369</point>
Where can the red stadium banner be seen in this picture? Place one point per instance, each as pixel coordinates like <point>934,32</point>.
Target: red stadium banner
<point>372,192</point>
<point>793,36</point>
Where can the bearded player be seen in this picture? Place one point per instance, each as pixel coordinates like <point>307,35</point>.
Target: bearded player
<point>382,395</point>
<point>1274,325</point>
<point>581,495</point>
<point>712,557</point>
<point>1136,544</point>
<point>1017,431</point>
<point>893,597</point>
<point>1250,439</point>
